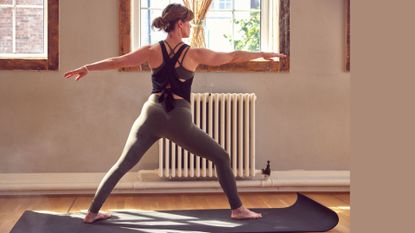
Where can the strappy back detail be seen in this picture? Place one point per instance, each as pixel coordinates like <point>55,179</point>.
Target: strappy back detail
<point>182,71</point>
<point>172,50</point>
<point>184,55</point>
<point>168,75</point>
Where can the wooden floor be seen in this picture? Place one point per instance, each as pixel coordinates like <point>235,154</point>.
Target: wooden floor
<point>12,207</point>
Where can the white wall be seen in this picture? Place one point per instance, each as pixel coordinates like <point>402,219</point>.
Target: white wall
<point>50,124</point>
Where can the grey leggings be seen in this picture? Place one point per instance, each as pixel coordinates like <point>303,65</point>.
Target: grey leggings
<point>154,123</point>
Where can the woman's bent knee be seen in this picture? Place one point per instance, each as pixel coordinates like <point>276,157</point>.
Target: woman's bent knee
<point>222,158</point>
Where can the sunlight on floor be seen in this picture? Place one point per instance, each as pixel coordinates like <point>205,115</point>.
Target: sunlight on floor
<point>217,223</point>
<point>339,209</point>
<point>157,214</point>
<point>48,212</point>
<point>164,230</point>
<point>153,223</point>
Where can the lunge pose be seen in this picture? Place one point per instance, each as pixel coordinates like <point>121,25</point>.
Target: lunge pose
<point>166,113</point>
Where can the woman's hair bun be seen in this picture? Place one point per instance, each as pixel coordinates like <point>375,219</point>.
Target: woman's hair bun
<point>170,15</point>
<point>159,23</point>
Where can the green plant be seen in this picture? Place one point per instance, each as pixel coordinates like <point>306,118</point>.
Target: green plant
<point>250,29</point>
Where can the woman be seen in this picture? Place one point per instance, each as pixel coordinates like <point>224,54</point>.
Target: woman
<point>166,113</point>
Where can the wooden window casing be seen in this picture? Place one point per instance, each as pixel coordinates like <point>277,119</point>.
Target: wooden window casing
<point>52,61</point>
<point>250,66</point>
<point>347,35</point>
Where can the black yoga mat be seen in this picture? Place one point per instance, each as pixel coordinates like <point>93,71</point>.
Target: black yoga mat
<point>305,215</point>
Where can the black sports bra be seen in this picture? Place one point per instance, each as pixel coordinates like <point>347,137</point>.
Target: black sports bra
<point>168,74</point>
<point>181,70</point>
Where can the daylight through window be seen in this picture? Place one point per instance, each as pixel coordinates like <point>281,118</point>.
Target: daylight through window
<point>23,29</point>
<point>250,25</point>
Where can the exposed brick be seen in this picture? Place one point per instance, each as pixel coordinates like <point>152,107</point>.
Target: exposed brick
<point>5,2</point>
<point>29,2</point>
<point>6,30</point>
<point>29,29</point>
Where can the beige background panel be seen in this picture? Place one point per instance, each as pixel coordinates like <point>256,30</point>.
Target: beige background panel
<point>383,114</point>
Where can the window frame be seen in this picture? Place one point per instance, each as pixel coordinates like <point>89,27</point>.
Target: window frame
<point>347,36</point>
<point>52,60</point>
<point>125,44</point>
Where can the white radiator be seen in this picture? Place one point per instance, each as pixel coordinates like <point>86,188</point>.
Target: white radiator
<point>230,120</point>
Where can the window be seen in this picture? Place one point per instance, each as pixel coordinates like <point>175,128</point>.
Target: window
<point>229,25</point>
<point>242,25</point>
<point>29,34</point>
<point>250,25</point>
<point>23,27</point>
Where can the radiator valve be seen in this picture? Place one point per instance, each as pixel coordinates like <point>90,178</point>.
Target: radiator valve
<point>267,171</point>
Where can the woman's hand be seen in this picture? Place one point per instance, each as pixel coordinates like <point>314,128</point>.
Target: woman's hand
<point>268,56</point>
<point>77,73</point>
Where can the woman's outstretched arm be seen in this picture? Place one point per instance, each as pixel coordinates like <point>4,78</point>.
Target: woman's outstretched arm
<point>213,58</point>
<point>134,58</point>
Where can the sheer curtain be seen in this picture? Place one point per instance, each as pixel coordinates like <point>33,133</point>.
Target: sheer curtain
<point>199,8</point>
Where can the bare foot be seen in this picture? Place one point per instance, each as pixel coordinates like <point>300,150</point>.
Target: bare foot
<point>244,213</point>
<point>91,217</point>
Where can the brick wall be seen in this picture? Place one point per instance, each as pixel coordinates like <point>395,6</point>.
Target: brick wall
<point>29,27</point>
<point>5,30</point>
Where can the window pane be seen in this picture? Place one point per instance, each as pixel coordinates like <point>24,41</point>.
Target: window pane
<point>144,3</point>
<point>6,30</point>
<point>159,4</point>
<point>145,27</point>
<point>6,2</point>
<point>29,2</point>
<point>237,30</point>
<point>218,26</point>
<point>247,32</point>
<point>221,4</point>
<point>246,4</point>
<point>148,36</point>
<point>256,4</point>
<point>29,30</point>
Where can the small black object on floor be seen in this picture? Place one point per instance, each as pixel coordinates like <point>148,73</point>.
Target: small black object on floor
<point>305,215</point>
<point>267,170</point>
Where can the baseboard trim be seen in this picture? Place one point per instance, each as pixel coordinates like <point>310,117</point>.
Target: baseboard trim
<point>147,181</point>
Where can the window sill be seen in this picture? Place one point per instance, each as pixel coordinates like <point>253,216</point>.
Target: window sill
<point>27,64</point>
<point>250,66</point>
